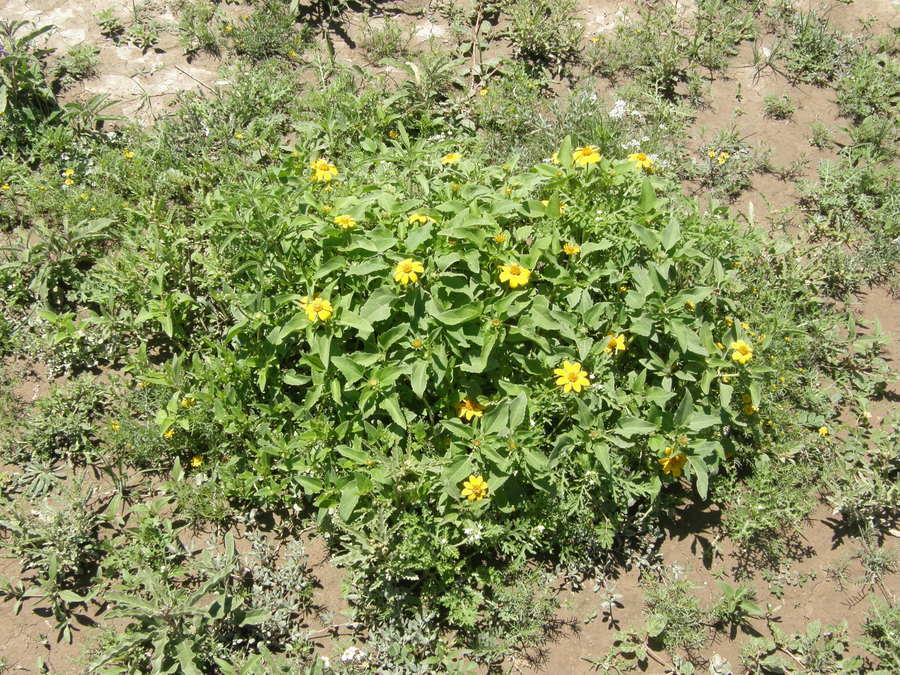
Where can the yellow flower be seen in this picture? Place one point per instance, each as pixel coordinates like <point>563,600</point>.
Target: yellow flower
<point>571,249</point>
<point>515,275</point>
<point>726,379</point>
<point>500,238</point>
<point>711,153</point>
<point>451,158</point>
<point>345,222</point>
<point>690,305</point>
<point>455,187</point>
<point>729,321</point>
<point>595,40</point>
<point>483,92</point>
<point>720,346</point>
<point>69,181</point>
<point>562,207</point>
<point>623,289</point>
<point>69,172</point>
<point>128,154</point>
<point>4,187</point>
<point>571,377</point>
<point>475,489</point>
<point>323,172</point>
<point>196,461</point>
<point>417,343</point>
<point>554,158</point>
<point>723,157</point>
<point>316,308</point>
<point>615,343</point>
<point>188,402</point>
<point>228,29</point>
<point>392,134</point>
<point>168,433</point>
<point>586,155</point>
<point>745,325</point>
<point>750,409</point>
<point>419,218</point>
<point>408,270</point>
<point>823,431</point>
<point>469,409</point>
<point>643,161</point>
<point>115,426</point>
<point>742,352</point>
<point>672,464</point>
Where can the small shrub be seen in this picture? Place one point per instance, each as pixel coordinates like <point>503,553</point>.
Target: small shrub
<point>881,630</point>
<point>816,51</point>
<point>869,85</point>
<point>765,511</point>
<point>544,31</point>
<point>268,32</point>
<point>196,27</point>
<point>779,107</point>
<point>79,63</point>
<point>820,136</point>
<point>386,39</point>
<point>63,424</point>
<point>674,616</point>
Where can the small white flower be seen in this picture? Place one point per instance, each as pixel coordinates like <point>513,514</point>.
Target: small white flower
<point>618,110</point>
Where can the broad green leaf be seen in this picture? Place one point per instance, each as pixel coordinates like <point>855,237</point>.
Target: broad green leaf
<point>684,410</point>
<point>352,320</point>
<point>517,410</point>
<point>701,474</point>
<point>392,406</point>
<point>378,306</point>
<point>419,377</point>
<point>351,370</point>
<point>349,500</point>
<point>632,426</point>
<point>454,317</point>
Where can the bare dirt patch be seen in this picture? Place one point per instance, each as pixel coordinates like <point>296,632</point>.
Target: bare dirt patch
<point>143,81</point>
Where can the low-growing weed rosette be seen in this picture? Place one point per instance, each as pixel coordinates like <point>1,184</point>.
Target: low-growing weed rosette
<point>370,372</point>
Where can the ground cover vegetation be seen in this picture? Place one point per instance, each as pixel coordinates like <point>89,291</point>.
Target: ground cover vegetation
<point>473,334</point>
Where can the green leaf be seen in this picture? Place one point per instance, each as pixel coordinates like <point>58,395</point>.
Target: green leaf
<point>601,450</point>
<point>332,265</point>
<point>632,426</point>
<point>417,237</point>
<point>701,474</point>
<point>351,370</point>
<point>378,306</point>
<point>702,421</point>
<point>419,377</point>
<point>352,320</point>
<point>684,410</point>
<point>656,624</point>
<point>648,197</point>
<point>517,409</point>
<point>496,419</point>
<point>185,651</point>
<point>254,617</point>
<point>565,152</point>
<point>454,317</point>
<point>349,500</point>
<point>670,235</point>
<point>725,392</point>
<point>392,406</point>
